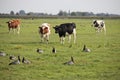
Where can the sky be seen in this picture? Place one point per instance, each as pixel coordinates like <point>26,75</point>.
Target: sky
<point>54,6</point>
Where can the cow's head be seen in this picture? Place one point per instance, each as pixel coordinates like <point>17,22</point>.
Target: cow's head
<point>56,29</point>
<point>9,23</point>
<point>95,23</point>
<point>43,30</point>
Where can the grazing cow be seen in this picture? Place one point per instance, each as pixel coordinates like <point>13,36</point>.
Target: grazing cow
<point>14,24</point>
<point>44,31</point>
<point>66,29</point>
<point>99,25</point>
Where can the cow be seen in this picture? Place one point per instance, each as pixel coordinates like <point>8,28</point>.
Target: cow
<point>14,24</point>
<point>66,29</point>
<point>44,31</point>
<point>99,25</point>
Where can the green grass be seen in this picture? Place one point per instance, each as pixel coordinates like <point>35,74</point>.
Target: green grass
<point>102,63</point>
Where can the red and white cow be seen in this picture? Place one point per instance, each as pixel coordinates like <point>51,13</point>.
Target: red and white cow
<point>44,31</point>
<point>99,25</point>
<point>14,24</point>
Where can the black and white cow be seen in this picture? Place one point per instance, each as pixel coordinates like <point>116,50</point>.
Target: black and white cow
<point>99,25</point>
<point>66,29</point>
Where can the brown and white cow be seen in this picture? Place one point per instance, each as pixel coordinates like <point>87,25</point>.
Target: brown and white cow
<point>99,25</point>
<point>14,24</point>
<point>44,31</point>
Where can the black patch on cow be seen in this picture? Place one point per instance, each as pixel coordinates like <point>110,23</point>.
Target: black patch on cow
<point>62,29</point>
<point>102,24</point>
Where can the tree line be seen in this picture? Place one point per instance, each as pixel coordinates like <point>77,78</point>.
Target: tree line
<point>61,13</point>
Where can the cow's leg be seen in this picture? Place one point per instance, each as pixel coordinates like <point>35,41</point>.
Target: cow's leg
<point>74,35</point>
<point>18,29</point>
<point>14,30</point>
<point>42,39</point>
<point>104,28</point>
<point>47,38</point>
<point>62,39</point>
<point>69,38</point>
<point>9,29</point>
<point>97,30</point>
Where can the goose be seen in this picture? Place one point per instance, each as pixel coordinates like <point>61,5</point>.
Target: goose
<point>16,61</point>
<point>25,61</point>
<point>2,54</point>
<point>12,57</point>
<point>70,46</point>
<point>53,50</point>
<point>70,62</point>
<point>39,50</point>
<point>85,49</point>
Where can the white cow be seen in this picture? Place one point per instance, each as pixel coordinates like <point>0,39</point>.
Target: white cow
<point>99,25</point>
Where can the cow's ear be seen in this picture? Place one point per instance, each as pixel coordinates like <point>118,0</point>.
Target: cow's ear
<point>8,22</point>
<point>39,27</point>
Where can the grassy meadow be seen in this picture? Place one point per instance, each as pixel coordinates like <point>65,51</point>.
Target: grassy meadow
<point>102,63</point>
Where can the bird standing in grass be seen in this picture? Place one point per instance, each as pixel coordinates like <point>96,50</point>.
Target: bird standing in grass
<point>25,61</point>
<point>12,57</point>
<point>39,50</point>
<point>16,61</point>
<point>53,50</point>
<point>2,54</point>
<point>70,62</point>
<point>85,49</point>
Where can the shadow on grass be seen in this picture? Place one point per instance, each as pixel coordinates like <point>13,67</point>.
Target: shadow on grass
<point>34,43</point>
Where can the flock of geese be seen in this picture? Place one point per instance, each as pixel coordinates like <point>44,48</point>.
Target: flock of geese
<point>25,61</point>
<point>15,60</point>
<point>18,60</point>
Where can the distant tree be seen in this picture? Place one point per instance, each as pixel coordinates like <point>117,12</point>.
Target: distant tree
<point>101,14</point>
<point>73,13</point>
<point>30,13</point>
<point>91,14</point>
<point>12,13</point>
<point>62,13</point>
<point>17,13</point>
<point>22,12</point>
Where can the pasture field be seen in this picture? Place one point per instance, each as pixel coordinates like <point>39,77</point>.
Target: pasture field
<point>102,63</point>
